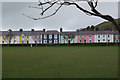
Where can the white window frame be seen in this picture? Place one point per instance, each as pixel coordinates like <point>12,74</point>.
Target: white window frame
<point>23,42</point>
<point>89,35</point>
<point>45,41</point>
<point>98,36</point>
<point>45,36</point>
<point>55,35</point>
<point>80,41</point>
<point>85,36</point>
<point>50,36</point>
<point>50,41</point>
<point>55,41</point>
<point>116,36</point>
<point>27,37</point>
<point>23,37</point>
<point>103,39</point>
<point>80,36</point>
<point>103,36</point>
<point>3,42</point>
<point>99,41</point>
<point>90,41</point>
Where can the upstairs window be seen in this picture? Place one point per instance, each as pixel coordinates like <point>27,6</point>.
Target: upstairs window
<point>14,37</point>
<point>27,37</point>
<point>3,37</point>
<point>98,36</point>
<point>23,37</point>
<point>80,36</point>
<point>103,35</point>
<point>108,35</point>
<point>45,36</point>
<point>90,36</point>
<point>116,36</point>
<point>55,36</point>
<point>85,36</point>
<point>50,36</point>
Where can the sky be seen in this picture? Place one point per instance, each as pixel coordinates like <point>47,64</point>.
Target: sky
<point>68,17</point>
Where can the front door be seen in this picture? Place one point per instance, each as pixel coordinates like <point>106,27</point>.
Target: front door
<point>84,41</point>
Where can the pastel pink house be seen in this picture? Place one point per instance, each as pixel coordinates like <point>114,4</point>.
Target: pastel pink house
<point>85,37</point>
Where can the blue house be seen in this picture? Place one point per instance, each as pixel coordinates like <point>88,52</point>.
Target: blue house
<point>50,37</point>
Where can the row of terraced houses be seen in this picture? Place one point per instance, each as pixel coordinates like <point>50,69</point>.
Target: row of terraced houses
<point>55,37</point>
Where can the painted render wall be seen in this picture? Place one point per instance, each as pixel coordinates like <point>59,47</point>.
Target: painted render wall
<point>87,38</point>
<point>104,38</point>
<point>62,40</point>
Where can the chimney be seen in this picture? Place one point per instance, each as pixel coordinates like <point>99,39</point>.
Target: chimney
<point>43,30</point>
<point>61,30</point>
<point>9,30</point>
<point>77,30</point>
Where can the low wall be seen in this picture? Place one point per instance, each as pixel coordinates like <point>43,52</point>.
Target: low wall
<point>60,44</point>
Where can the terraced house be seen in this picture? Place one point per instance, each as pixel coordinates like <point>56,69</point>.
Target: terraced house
<point>50,37</point>
<point>55,37</point>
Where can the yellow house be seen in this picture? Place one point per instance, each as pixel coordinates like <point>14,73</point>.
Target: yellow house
<point>24,39</point>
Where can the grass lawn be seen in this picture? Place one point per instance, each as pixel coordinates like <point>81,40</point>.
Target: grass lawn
<point>60,62</point>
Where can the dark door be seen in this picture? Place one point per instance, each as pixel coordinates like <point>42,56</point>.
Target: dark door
<point>84,41</point>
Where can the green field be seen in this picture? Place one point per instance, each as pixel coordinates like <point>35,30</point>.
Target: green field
<point>60,62</point>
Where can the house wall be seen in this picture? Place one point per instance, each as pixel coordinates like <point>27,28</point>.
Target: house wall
<point>104,38</point>
<point>62,40</point>
<point>50,38</point>
<point>32,39</point>
<point>87,38</point>
<point>116,37</point>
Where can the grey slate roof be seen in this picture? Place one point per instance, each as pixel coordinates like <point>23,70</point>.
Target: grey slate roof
<point>51,32</point>
<point>34,33</point>
<point>89,32</point>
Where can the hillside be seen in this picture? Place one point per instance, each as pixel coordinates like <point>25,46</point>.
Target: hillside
<point>103,26</point>
<point>106,25</point>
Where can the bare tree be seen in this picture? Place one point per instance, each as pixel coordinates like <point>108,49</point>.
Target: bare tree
<point>69,37</point>
<point>91,3</point>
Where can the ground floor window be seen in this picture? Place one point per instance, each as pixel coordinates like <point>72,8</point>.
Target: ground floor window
<point>45,41</point>
<point>14,41</point>
<point>50,41</point>
<point>2,42</point>
<point>103,39</point>
<point>117,40</point>
<point>98,40</point>
<point>55,41</point>
<point>80,41</point>
<point>22,42</point>
<point>90,41</point>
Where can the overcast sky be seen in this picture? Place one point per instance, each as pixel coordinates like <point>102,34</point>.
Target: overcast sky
<point>68,17</point>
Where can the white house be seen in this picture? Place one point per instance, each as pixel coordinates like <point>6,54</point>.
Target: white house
<point>104,36</point>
